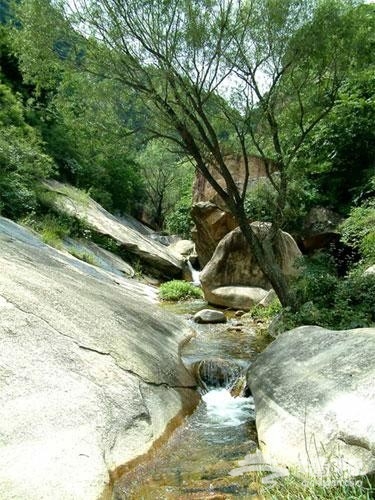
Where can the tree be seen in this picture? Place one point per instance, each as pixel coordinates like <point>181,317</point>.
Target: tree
<point>22,159</point>
<point>165,175</point>
<point>285,61</point>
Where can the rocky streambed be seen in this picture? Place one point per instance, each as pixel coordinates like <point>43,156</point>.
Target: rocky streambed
<point>198,459</point>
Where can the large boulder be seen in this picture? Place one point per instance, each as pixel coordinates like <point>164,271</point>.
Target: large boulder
<point>211,225</point>
<point>89,368</point>
<point>234,265</point>
<point>209,213</point>
<point>154,257</point>
<point>314,395</point>
<point>236,297</point>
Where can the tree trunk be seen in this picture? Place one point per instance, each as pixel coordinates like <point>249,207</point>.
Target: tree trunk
<point>265,256</point>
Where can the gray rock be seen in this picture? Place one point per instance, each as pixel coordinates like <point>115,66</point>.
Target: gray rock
<point>209,316</point>
<point>370,270</point>
<point>153,255</point>
<point>314,394</point>
<point>237,297</point>
<point>101,257</point>
<point>268,299</point>
<point>183,247</point>
<point>89,368</point>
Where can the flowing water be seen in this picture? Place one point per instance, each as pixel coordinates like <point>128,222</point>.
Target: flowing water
<point>196,461</point>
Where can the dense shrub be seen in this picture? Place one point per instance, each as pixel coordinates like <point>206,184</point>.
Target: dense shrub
<point>179,290</point>
<point>179,220</point>
<point>325,300</point>
<point>22,160</point>
<point>358,231</point>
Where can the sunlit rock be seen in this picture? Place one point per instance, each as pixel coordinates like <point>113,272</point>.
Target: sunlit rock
<point>89,368</point>
<point>314,394</point>
<point>155,258</point>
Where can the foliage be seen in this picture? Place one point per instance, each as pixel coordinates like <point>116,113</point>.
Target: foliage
<point>340,155</point>
<point>84,256</point>
<point>167,178</point>
<point>262,313</point>
<point>22,160</point>
<point>54,226</point>
<point>179,290</point>
<point>179,221</point>
<point>358,231</point>
<point>321,298</point>
<point>337,486</point>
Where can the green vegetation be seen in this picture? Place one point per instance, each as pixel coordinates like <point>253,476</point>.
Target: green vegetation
<point>326,300</point>
<point>179,290</point>
<point>261,313</point>
<point>84,256</point>
<point>358,230</point>
<point>54,226</point>
<point>334,487</point>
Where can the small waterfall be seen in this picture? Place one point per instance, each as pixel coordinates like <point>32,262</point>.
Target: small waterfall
<point>217,372</point>
<point>195,275</point>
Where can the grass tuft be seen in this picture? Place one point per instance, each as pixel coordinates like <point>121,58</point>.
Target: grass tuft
<point>179,290</point>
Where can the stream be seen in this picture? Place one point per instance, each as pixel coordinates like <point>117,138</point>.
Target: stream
<point>196,461</point>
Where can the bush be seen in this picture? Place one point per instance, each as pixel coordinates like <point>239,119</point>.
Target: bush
<point>179,221</point>
<point>262,313</point>
<point>22,159</point>
<point>330,302</point>
<point>179,290</point>
<point>358,231</point>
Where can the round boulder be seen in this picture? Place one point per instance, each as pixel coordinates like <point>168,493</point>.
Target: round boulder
<point>237,297</point>
<point>234,265</point>
<point>314,395</point>
<point>209,316</point>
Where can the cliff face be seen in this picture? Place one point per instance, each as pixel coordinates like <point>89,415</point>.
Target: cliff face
<point>203,191</point>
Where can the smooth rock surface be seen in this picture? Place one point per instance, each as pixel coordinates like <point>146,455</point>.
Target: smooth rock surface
<point>89,368</point>
<point>101,257</point>
<point>370,270</point>
<point>182,247</point>
<point>154,256</point>
<point>237,297</point>
<point>234,265</point>
<point>209,316</point>
<point>314,394</point>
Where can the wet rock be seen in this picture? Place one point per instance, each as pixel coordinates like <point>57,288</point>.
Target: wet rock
<point>315,400</point>
<point>209,316</point>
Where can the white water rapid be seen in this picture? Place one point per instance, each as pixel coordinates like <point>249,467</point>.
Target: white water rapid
<point>195,275</point>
